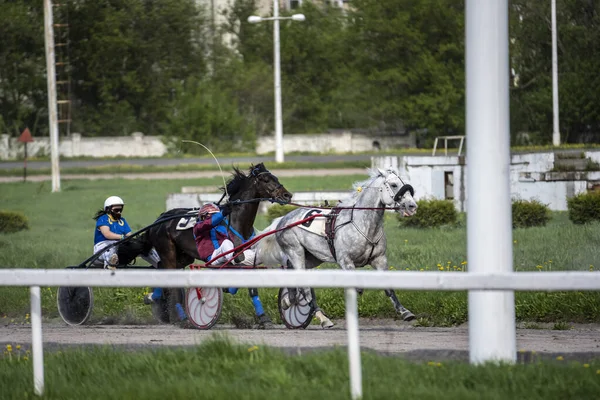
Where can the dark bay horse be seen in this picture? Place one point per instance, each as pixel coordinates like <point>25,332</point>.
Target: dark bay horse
<point>174,240</point>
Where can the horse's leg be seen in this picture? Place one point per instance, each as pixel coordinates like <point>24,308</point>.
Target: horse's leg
<point>323,320</point>
<point>405,314</point>
<point>264,322</point>
<point>175,307</point>
<point>380,263</point>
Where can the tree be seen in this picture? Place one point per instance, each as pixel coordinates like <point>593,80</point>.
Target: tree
<point>128,58</point>
<point>411,53</point>
<point>204,111</point>
<point>578,29</point>
<point>23,101</point>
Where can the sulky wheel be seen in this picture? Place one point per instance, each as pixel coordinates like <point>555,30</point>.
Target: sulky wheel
<point>298,315</point>
<point>75,304</point>
<point>203,306</point>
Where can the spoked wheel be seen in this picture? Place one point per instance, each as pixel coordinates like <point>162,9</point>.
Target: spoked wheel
<point>299,315</point>
<point>160,307</point>
<point>75,304</point>
<point>203,306</point>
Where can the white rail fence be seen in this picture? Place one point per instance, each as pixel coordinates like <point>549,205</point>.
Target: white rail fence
<point>498,283</point>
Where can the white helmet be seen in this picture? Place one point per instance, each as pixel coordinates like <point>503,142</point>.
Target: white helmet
<point>113,201</point>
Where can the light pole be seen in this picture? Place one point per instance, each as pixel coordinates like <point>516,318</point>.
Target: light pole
<point>556,129</point>
<point>51,81</point>
<point>253,19</point>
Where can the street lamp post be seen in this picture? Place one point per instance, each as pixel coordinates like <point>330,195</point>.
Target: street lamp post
<point>556,127</point>
<point>253,19</point>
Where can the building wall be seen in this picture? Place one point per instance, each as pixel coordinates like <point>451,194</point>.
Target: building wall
<point>531,177</point>
<point>344,142</point>
<point>139,145</point>
<point>136,145</point>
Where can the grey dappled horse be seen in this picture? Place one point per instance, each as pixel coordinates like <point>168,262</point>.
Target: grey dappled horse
<point>349,236</point>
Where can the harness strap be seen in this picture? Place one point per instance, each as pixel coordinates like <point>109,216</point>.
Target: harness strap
<point>331,229</point>
<point>236,233</point>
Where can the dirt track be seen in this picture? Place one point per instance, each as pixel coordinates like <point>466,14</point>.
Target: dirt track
<point>382,336</point>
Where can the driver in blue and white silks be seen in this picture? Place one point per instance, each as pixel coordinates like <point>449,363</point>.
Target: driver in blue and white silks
<point>212,239</point>
<point>111,227</point>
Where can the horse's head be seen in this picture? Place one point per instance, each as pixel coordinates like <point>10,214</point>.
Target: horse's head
<point>267,184</point>
<point>258,183</point>
<point>396,193</point>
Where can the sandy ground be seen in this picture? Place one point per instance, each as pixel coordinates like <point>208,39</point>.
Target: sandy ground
<point>382,336</point>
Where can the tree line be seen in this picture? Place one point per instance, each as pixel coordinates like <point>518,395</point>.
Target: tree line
<point>164,68</point>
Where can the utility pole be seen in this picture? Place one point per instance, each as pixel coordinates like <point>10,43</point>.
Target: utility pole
<point>556,128</point>
<point>52,105</point>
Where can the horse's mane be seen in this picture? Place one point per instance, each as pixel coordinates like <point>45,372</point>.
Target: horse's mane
<point>374,173</point>
<point>239,180</point>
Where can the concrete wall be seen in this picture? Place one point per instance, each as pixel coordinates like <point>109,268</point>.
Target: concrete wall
<point>136,145</point>
<point>531,177</point>
<point>339,142</point>
<point>139,145</point>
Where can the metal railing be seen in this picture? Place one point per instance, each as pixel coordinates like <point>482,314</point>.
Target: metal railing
<point>522,281</point>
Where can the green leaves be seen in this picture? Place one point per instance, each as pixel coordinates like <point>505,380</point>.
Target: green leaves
<point>377,66</point>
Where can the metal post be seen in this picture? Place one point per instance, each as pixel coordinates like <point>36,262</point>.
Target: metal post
<point>37,350</point>
<point>556,128</point>
<point>52,105</point>
<point>492,334</point>
<point>353,344</point>
<point>279,156</point>
<point>25,162</point>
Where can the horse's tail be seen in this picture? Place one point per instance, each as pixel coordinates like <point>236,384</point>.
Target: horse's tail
<point>130,249</point>
<point>268,251</point>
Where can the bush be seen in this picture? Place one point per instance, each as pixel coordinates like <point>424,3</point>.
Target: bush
<point>431,213</point>
<point>11,221</point>
<point>278,210</point>
<point>526,214</point>
<point>584,208</point>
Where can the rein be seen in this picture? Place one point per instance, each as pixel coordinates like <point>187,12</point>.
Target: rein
<point>252,241</point>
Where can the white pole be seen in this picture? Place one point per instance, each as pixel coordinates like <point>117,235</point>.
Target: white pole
<point>279,156</point>
<point>37,350</point>
<point>353,344</point>
<point>492,334</point>
<point>556,128</point>
<point>52,105</point>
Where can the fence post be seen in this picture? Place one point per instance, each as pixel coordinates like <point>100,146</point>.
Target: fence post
<point>37,350</point>
<point>353,344</point>
<point>492,332</point>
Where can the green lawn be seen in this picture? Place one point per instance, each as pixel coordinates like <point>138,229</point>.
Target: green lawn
<point>220,370</point>
<point>131,168</point>
<point>62,230</point>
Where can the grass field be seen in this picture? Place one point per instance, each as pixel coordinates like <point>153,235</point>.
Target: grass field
<point>62,229</point>
<point>130,168</point>
<point>219,370</point>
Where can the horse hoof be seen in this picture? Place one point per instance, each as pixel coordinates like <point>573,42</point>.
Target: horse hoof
<point>266,326</point>
<point>407,316</point>
<point>264,322</point>
<point>286,303</point>
<point>327,324</point>
<point>148,299</point>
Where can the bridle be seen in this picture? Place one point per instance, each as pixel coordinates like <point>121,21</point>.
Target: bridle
<point>255,173</point>
<point>403,189</point>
